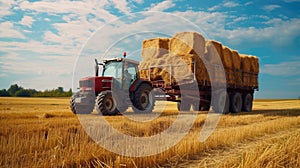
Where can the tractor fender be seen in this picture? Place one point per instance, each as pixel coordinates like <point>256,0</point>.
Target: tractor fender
<point>137,83</point>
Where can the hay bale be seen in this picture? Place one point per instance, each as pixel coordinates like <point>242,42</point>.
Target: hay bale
<point>236,60</point>
<point>245,63</point>
<point>254,64</point>
<point>187,43</point>
<point>154,48</point>
<point>246,69</point>
<point>226,57</point>
<point>254,70</point>
<point>213,51</point>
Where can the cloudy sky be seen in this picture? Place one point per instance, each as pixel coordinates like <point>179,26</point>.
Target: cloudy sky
<point>40,41</point>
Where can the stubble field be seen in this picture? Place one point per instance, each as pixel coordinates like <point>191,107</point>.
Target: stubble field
<point>42,132</point>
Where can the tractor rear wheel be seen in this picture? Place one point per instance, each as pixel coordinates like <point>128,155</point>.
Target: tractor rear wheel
<point>247,102</point>
<point>106,104</point>
<point>143,99</point>
<point>236,102</point>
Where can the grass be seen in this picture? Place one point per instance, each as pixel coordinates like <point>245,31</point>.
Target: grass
<point>42,132</point>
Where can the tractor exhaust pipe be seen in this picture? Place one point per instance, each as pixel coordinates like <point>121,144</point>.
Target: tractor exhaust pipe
<point>96,67</point>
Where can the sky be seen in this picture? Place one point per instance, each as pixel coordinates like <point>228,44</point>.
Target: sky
<point>42,43</point>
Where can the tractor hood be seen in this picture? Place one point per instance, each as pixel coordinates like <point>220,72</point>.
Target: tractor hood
<point>96,84</point>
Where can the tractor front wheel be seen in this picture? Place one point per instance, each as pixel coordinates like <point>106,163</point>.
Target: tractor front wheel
<point>78,108</point>
<point>106,104</point>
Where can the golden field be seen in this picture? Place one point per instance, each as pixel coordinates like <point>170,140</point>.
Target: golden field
<point>42,132</point>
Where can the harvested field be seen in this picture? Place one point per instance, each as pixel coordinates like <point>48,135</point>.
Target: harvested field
<point>42,132</point>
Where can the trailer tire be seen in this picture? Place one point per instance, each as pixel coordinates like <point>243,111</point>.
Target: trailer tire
<point>143,99</point>
<point>106,104</point>
<point>220,106</point>
<point>236,102</point>
<point>80,109</point>
<point>247,102</point>
<point>183,107</point>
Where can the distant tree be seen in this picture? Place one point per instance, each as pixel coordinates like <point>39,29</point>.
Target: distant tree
<point>60,89</point>
<point>4,92</point>
<point>13,89</point>
<point>23,93</point>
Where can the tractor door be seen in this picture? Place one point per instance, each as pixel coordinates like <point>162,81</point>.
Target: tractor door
<point>130,74</point>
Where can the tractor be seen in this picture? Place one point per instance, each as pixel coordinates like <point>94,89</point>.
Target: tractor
<point>115,90</point>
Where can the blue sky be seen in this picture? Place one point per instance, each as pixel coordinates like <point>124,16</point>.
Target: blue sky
<point>41,40</point>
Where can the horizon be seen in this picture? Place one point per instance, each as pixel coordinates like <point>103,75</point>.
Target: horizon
<point>41,40</point>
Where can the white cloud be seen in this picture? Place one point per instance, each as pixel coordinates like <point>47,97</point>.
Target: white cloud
<point>214,8</point>
<point>7,31</point>
<point>122,5</point>
<point>291,68</point>
<point>240,19</point>
<point>270,8</point>
<point>27,21</point>
<point>230,4</point>
<point>248,3</point>
<point>6,7</point>
<point>162,6</point>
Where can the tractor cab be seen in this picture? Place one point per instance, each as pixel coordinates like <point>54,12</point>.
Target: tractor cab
<point>123,71</point>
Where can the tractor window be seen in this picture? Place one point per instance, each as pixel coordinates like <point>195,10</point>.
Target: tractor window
<point>132,70</point>
<point>113,69</point>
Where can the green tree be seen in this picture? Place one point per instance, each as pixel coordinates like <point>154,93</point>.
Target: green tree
<point>23,93</point>
<point>4,92</point>
<point>13,89</point>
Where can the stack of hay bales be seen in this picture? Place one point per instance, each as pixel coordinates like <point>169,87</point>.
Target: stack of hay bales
<point>186,49</point>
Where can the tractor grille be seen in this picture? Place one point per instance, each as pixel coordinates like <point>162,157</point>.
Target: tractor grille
<point>86,83</point>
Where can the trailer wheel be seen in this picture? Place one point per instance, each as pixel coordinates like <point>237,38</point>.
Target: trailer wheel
<point>199,107</point>
<point>143,99</point>
<point>183,107</point>
<point>81,109</point>
<point>247,102</point>
<point>106,103</point>
<point>186,106</point>
<point>236,102</point>
<point>221,105</point>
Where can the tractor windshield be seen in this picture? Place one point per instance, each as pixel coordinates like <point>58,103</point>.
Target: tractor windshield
<point>113,69</point>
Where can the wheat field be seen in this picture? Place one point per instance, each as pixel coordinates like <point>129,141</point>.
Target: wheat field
<point>42,132</point>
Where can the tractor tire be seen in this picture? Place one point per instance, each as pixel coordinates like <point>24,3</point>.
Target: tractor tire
<point>80,109</point>
<point>221,104</point>
<point>247,102</point>
<point>236,102</point>
<point>143,99</point>
<point>106,104</point>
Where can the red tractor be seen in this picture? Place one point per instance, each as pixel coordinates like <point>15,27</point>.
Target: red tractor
<point>114,91</point>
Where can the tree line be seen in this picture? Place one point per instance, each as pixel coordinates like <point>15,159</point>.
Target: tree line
<point>18,91</point>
